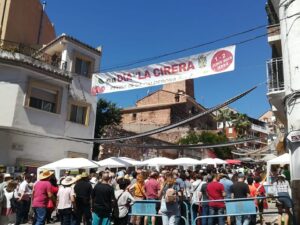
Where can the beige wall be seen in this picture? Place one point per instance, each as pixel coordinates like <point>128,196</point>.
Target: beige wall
<point>21,22</point>
<point>159,97</point>
<point>159,116</point>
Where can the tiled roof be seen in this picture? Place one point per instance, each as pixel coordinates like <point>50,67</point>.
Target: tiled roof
<point>72,39</point>
<point>21,60</point>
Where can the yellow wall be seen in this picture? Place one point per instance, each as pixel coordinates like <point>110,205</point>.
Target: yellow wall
<point>21,22</point>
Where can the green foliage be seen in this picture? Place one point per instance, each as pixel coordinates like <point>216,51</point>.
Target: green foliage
<point>107,114</point>
<point>224,116</point>
<point>208,138</point>
<point>241,124</point>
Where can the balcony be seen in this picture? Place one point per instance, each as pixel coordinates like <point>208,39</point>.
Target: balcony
<point>275,75</point>
<point>274,33</point>
<point>276,92</point>
<point>52,60</point>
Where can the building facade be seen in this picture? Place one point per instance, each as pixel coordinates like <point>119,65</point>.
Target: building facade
<point>255,149</point>
<point>171,104</point>
<point>45,93</point>
<point>283,71</point>
<point>25,22</point>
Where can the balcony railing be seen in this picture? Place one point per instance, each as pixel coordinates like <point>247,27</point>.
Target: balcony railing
<point>275,75</point>
<point>27,50</point>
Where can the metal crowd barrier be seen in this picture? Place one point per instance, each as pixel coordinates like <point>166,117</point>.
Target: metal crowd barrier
<point>149,208</point>
<point>241,207</point>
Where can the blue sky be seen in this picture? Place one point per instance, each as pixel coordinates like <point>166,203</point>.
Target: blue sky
<point>137,29</point>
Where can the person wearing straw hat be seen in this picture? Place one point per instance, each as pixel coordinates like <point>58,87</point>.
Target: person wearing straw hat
<point>41,195</point>
<point>83,190</point>
<point>65,199</point>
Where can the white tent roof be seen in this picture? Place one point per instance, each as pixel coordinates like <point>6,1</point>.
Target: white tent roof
<point>185,161</point>
<point>115,162</point>
<point>70,163</point>
<point>212,161</point>
<point>268,157</point>
<point>130,160</point>
<point>158,161</point>
<point>283,159</point>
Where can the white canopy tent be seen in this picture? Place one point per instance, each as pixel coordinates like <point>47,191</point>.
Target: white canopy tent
<point>283,159</point>
<point>157,162</point>
<point>268,157</point>
<point>68,164</point>
<point>185,161</point>
<point>130,160</point>
<point>117,162</point>
<point>212,161</point>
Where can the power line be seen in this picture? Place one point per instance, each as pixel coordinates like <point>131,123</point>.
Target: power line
<point>171,126</point>
<point>194,146</point>
<point>185,49</point>
<point>148,133</point>
<point>201,45</point>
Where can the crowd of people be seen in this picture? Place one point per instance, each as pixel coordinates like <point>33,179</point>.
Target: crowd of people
<point>106,197</point>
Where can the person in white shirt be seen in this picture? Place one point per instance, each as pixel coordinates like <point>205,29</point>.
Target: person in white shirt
<point>284,203</point>
<point>124,201</point>
<point>65,200</point>
<point>24,194</point>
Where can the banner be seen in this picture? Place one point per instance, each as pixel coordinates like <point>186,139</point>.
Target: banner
<point>200,65</point>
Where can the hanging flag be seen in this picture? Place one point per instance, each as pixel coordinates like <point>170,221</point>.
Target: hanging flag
<point>200,65</point>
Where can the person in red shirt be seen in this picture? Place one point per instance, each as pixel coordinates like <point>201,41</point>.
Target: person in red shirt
<point>215,191</point>
<point>260,192</point>
<point>40,197</point>
<point>152,188</point>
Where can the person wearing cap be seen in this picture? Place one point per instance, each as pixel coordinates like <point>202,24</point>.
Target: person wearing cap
<point>65,199</point>
<point>83,190</point>
<point>241,190</point>
<point>284,204</point>
<point>40,197</point>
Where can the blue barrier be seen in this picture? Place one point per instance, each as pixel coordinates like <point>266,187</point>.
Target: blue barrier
<point>148,208</point>
<point>240,207</point>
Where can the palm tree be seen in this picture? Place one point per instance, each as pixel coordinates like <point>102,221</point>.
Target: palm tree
<point>241,124</point>
<point>225,116</point>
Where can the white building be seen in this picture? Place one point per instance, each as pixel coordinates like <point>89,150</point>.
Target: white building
<point>284,80</point>
<point>46,101</point>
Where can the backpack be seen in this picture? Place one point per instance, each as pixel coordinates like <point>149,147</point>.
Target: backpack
<point>171,195</point>
<point>14,203</point>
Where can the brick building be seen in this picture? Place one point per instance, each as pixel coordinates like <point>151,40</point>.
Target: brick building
<point>171,104</point>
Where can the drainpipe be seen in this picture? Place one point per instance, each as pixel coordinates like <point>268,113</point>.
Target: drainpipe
<point>41,22</point>
<point>2,19</point>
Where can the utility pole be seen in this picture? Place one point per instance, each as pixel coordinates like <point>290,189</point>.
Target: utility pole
<point>289,14</point>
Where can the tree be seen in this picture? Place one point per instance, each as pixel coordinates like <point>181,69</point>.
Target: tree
<point>208,138</point>
<point>241,124</point>
<point>225,116</point>
<point>107,114</point>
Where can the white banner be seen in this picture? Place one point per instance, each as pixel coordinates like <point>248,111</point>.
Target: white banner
<point>200,65</point>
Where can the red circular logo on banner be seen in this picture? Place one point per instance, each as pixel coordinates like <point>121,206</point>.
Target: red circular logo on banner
<point>221,60</point>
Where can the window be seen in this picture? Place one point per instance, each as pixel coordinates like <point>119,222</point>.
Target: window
<point>134,116</point>
<point>82,67</point>
<point>79,112</point>
<point>43,96</point>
